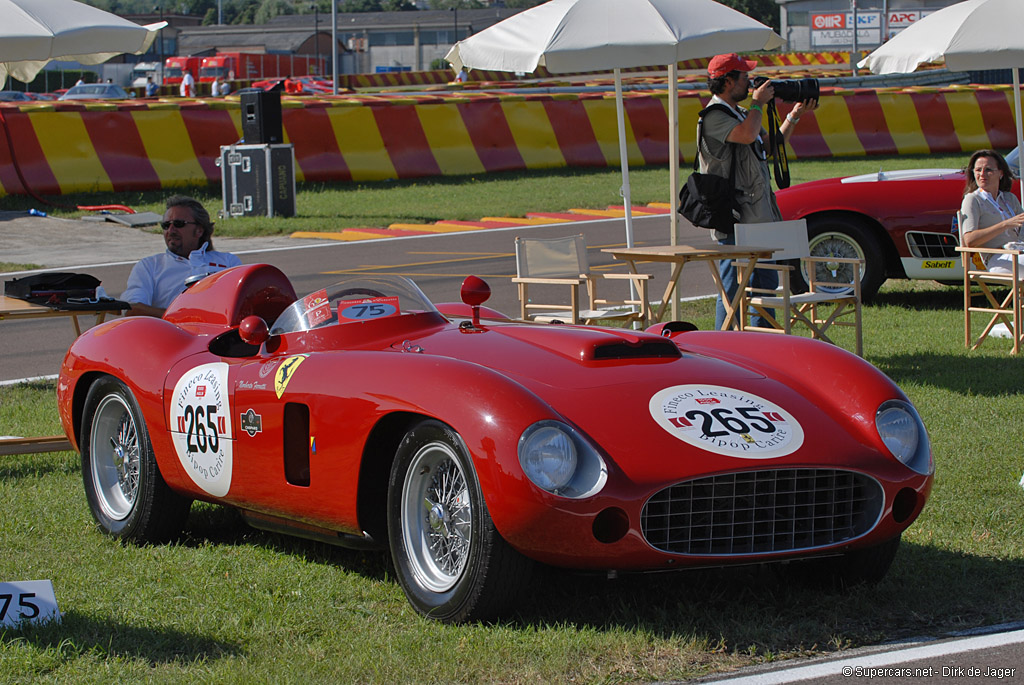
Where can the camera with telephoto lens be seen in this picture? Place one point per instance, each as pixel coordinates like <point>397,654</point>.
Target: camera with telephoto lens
<point>792,90</point>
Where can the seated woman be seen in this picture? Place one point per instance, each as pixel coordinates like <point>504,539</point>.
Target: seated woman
<point>991,215</point>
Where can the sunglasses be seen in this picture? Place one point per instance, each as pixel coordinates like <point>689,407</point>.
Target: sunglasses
<point>177,223</point>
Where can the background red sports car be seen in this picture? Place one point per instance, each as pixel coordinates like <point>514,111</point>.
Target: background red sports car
<point>899,222</point>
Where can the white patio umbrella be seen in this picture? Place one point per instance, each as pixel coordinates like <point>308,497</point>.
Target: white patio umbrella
<point>33,32</point>
<point>976,34</point>
<point>593,35</point>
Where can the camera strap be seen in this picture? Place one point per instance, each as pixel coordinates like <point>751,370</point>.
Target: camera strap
<point>777,147</point>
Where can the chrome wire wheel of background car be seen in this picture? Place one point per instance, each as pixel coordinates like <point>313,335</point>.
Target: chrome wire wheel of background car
<point>436,510</point>
<point>452,563</point>
<point>848,238</point>
<point>127,495</point>
<point>114,444</point>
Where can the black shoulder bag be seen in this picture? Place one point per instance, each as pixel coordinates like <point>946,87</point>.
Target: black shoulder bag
<point>708,200</point>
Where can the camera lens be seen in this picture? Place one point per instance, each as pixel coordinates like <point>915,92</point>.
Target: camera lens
<point>792,90</point>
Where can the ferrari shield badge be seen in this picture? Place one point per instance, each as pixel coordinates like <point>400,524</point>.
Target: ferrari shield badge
<point>201,427</point>
<point>285,373</point>
<point>727,421</point>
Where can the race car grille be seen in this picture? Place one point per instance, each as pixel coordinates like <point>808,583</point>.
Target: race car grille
<point>761,512</point>
<point>932,245</point>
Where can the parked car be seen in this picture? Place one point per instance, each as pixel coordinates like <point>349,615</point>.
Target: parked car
<point>96,91</point>
<point>475,447</point>
<point>901,223</point>
<point>14,96</point>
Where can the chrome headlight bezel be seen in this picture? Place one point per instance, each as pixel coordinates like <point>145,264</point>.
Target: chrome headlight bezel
<point>570,466</point>
<point>903,433</point>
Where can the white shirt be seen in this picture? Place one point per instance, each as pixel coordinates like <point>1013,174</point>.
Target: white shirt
<point>158,279</point>
<point>187,83</point>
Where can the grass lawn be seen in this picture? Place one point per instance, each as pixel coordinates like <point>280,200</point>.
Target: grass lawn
<point>231,604</point>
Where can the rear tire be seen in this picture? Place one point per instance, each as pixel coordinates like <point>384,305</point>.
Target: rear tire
<point>845,237</point>
<point>452,563</point>
<point>127,495</point>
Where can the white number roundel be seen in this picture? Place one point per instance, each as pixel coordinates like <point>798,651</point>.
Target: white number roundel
<point>727,421</point>
<point>201,427</point>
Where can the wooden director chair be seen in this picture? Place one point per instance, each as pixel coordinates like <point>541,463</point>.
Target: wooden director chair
<point>563,262</point>
<point>843,297</point>
<point>1006,310</point>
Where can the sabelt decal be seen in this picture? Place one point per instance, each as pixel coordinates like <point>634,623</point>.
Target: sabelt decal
<point>937,264</point>
<point>201,427</point>
<point>727,421</point>
<point>286,371</point>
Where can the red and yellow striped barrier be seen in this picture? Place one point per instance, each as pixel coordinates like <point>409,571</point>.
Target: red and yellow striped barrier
<point>144,145</point>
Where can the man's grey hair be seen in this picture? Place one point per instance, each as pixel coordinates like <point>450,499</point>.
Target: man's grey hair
<point>199,215</point>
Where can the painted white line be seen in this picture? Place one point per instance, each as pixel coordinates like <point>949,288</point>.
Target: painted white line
<point>859,665</point>
<point>30,379</point>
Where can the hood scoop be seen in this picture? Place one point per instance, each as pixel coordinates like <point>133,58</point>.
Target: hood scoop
<point>643,349</point>
<point>595,344</point>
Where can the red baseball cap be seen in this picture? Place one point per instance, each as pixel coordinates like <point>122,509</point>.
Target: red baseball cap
<point>720,65</point>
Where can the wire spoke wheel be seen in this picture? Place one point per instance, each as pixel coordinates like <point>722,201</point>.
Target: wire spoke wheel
<point>114,445</point>
<point>127,495</point>
<point>452,563</point>
<point>843,237</point>
<point>437,517</point>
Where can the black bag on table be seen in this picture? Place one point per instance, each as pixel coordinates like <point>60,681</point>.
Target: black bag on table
<point>708,200</point>
<point>52,289</point>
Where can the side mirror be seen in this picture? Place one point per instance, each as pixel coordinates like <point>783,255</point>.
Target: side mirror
<point>475,292</point>
<point>253,330</point>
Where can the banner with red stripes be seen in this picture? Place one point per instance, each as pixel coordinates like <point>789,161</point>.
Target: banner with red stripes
<point>156,144</point>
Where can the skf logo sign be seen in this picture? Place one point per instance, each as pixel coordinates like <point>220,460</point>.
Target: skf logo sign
<point>828,21</point>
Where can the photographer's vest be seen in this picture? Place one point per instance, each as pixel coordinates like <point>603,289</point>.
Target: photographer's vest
<point>754,196</point>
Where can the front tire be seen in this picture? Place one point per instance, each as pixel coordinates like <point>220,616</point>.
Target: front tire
<point>848,238</point>
<point>127,495</point>
<point>452,563</point>
<point>858,567</point>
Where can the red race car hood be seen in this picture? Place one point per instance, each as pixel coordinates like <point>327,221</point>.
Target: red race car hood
<point>636,394</point>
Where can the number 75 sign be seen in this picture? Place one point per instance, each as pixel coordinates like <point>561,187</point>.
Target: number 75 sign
<point>27,601</point>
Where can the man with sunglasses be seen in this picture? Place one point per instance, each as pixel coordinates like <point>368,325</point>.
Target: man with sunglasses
<point>188,233</point>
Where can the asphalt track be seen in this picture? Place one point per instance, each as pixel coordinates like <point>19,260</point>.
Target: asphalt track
<point>437,262</point>
<point>992,655</point>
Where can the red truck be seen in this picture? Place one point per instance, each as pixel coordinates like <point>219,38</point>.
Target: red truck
<point>175,68</point>
<point>254,65</point>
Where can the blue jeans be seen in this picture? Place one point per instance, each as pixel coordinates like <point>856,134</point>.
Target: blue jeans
<point>762,278</point>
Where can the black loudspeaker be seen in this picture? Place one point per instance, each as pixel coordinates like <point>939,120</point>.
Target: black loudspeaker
<point>261,118</point>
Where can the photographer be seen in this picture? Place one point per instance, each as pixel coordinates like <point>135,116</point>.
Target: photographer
<point>737,134</point>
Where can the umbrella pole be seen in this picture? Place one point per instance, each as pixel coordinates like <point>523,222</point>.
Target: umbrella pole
<point>620,115</point>
<point>673,162</point>
<point>1020,135</point>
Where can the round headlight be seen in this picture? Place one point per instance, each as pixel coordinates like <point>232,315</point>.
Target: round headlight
<point>548,456</point>
<point>904,435</point>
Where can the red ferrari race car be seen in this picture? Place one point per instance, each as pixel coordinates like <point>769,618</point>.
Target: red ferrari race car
<point>476,447</point>
<point>901,223</point>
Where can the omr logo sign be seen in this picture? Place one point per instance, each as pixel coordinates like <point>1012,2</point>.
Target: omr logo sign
<point>828,21</point>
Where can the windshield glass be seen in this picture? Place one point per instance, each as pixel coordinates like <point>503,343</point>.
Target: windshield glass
<point>351,300</point>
